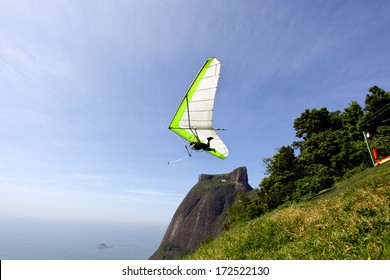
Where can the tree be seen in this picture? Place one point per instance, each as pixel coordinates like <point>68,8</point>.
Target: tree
<point>376,100</point>
<point>279,186</point>
<point>352,148</point>
<point>351,117</point>
<point>314,121</point>
<point>317,177</point>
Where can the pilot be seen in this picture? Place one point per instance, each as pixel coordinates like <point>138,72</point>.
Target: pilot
<point>197,146</point>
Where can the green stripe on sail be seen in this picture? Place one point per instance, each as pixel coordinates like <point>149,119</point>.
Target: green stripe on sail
<point>217,154</point>
<point>184,133</point>
<point>187,98</point>
<point>191,138</point>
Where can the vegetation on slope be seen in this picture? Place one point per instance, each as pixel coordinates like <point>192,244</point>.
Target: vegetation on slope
<point>330,147</point>
<point>350,222</point>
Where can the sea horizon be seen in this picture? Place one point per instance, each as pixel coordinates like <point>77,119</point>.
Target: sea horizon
<point>37,239</point>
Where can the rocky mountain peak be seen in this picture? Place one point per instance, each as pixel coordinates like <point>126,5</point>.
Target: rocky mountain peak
<point>201,214</point>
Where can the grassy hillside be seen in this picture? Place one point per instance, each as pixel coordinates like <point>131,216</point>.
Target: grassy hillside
<point>351,221</point>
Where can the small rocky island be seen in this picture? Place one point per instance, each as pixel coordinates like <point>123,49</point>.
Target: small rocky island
<point>104,246</point>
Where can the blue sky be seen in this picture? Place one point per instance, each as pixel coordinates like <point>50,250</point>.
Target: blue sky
<point>88,88</point>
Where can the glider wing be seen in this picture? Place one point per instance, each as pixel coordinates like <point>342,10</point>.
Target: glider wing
<point>193,118</point>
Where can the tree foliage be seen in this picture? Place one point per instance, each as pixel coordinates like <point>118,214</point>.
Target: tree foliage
<point>279,186</point>
<point>314,121</point>
<point>330,146</point>
<point>376,100</point>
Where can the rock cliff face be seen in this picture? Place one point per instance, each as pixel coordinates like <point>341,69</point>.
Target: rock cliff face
<point>201,214</point>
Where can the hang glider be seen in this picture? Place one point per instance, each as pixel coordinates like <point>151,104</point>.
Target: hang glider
<point>193,118</point>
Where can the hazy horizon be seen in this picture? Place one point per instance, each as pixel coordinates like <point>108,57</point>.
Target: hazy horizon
<point>22,239</point>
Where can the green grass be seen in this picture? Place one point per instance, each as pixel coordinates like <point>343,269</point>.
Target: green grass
<point>350,221</point>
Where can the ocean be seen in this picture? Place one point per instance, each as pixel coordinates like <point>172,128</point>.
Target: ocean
<point>54,240</point>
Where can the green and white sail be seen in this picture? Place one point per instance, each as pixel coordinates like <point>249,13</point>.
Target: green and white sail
<point>194,117</point>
